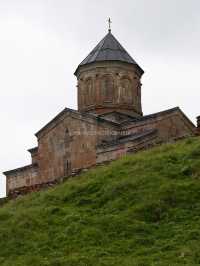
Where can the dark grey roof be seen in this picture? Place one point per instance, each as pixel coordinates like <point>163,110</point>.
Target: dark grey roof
<point>155,115</point>
<point>35,165</point>
<point>108,49</point>
<point>83,114</point>
<point>130,137</point>
<point>33,150</point>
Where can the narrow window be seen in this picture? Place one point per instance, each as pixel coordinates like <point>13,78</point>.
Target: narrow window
<point>126,90</point>
<point>88,92</point>
<point>107,88</point>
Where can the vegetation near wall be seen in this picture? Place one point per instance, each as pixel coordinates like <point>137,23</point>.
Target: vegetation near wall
<point>142,210</point>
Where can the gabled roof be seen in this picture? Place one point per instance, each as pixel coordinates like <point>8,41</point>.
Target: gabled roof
<point>102,118</point>
<point>117,117</point>
<point>165,112</point>
<point>160,114</point>
<point>94,117</point>
<point>21,169</point>
<point>108,49</point>
<point>128,119</point>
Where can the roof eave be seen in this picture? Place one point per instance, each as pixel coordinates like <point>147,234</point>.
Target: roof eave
<point>76,73</point>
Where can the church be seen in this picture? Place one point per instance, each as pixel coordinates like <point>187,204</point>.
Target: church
<point>108,124</point>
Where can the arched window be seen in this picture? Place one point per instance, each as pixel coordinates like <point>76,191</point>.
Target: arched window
<point>139,88</point>
<point>67,167</point>
<point>126,90</point>
<point>107,88</point>
<point>88,92</point>
<point>67,135</point>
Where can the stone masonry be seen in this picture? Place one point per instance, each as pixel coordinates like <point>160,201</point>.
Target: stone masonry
<point>109,122</point>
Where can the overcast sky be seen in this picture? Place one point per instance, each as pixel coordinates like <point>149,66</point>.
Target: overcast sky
<point>43,41</point>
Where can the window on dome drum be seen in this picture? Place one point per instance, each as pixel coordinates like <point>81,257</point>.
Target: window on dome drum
<point>80,95</point>
<point>89,92</point>
<point>138,88</point>
<point>126,90</point>
<point>107,88</point>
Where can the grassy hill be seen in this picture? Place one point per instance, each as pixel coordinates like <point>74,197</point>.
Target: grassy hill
<point>142,210</point>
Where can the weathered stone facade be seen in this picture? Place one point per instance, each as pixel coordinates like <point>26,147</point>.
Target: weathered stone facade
<point>22,177</point>
<point>109,86</point>
<point>109,122</point>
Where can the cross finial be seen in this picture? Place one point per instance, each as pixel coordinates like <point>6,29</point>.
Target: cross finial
<point>109,25</point>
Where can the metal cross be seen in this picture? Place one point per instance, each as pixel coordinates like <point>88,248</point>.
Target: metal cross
<point>109,25</point>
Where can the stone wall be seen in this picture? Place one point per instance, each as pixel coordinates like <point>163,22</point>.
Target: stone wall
<point>73,141</point>
<point>68,145</point>
<point>109,86</point>
<point>34,155</point>
<point>109,152</point>
<point>22,177</point>
<point>171,125</point>
<point>14,193</point>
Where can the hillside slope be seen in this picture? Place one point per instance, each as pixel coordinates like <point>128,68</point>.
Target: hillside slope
<point>141,210</point>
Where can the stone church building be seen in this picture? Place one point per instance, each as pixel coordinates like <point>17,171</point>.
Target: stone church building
<point>108,124</point>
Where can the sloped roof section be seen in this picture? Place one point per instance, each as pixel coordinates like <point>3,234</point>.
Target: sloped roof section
<point>108,49</point>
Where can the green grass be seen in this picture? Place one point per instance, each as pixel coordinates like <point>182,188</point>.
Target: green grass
<point>141,210</point>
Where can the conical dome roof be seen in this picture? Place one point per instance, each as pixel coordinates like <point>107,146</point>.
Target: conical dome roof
<point>108,49</point>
